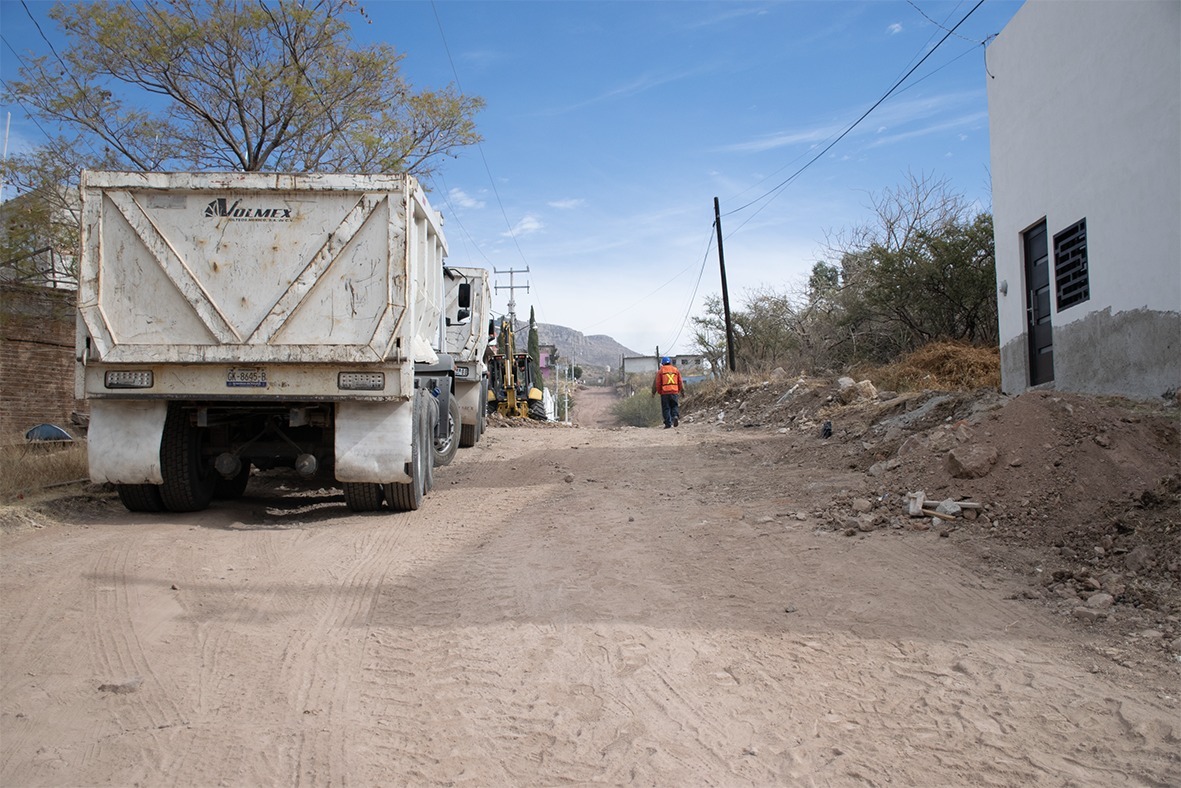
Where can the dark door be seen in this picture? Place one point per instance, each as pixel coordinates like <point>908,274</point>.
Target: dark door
<point>1037,305</point>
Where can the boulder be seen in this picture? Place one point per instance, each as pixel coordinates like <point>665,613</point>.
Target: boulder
<point>971,461</point>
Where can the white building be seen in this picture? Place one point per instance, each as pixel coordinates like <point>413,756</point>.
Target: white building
<point>1084,104</point>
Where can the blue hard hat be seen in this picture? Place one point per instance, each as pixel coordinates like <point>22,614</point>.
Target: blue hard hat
<point>665,360</point>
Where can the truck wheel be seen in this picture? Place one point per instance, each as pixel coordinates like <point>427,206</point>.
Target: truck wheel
<point>188,478</point>
<point>407,496</point>
<point>362,496</point>
<point>445,447</point>
<point>231,489</point>
<point>141,497</point>
<point>537,410</point>
<point>467,436</point>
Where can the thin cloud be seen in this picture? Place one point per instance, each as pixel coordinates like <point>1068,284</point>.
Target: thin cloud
<point>935,128</point>
<point>640,84</point>
<point>894,29</point>
<point>783,139</point>
<point>463,199</point>
<point>893,114</point>
<point>566,205</point>
<point>528,225</point>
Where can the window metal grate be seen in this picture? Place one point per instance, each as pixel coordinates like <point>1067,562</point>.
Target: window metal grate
<point>1070,265</point>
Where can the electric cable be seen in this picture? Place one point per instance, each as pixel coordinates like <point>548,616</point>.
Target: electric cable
<point>772,193</point>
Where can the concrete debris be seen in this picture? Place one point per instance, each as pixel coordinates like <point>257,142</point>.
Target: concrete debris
<point>972,461</point>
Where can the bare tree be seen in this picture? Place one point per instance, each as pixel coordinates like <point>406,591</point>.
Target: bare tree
<point>234,84</point>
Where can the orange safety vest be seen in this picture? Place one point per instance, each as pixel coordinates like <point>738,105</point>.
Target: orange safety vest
<point>668,380</point>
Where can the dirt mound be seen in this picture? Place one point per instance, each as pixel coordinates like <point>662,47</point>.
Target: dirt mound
<point>1078,495</point>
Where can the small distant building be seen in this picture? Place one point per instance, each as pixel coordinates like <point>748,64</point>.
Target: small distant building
<point>693,368</point>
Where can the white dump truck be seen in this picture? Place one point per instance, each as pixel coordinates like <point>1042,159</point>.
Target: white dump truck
<point>231,320</point>
<point>468,308</point>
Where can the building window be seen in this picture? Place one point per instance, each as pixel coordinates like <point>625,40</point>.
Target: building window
<point>1070,265</point>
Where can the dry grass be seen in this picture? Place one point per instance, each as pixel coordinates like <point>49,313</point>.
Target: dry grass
<point>942,366</point>
<point>25,468</point>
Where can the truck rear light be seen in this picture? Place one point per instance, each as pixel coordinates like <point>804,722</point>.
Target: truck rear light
<point>361,381</point>
<point>128,378</point>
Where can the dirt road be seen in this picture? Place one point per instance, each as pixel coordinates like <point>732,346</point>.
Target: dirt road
<point>572,605</point>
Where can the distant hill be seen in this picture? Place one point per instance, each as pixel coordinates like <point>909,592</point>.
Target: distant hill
<point>597,350</point>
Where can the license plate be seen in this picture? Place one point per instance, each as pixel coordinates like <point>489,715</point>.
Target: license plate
<point>246,377</point>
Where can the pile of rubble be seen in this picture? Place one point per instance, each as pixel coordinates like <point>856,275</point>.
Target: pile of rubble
<point>1079,495</point>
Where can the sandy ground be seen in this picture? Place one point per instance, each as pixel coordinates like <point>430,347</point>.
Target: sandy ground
<point>572,605</point>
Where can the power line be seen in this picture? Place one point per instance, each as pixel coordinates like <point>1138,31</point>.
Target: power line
<point>772,193</point>
<point>697,284</point>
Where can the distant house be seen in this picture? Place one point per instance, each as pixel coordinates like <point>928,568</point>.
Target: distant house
<point>1085,124</point>
<point>693,368</point>
<point>548,362</point>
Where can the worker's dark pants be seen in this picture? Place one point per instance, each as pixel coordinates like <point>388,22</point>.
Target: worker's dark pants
<point>670,408</point>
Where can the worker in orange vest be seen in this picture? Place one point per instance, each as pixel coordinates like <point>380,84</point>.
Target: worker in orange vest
<point>669,386</point>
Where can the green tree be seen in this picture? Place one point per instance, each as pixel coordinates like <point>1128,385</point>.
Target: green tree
<point>534,350</point>
<point>709,333</point>
<point>268,85</point>
<point>922,269</point>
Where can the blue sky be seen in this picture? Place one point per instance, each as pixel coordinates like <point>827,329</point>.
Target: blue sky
<point>610,128</point>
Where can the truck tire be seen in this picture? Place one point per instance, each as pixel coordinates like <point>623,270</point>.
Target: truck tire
<point>141,497</point>
<point>231,489</point>
<point>362,496</point>
<point>444,448</point>
<point>188,478</point>
<point>467,436</point>
<point>407,496</point>
<point>537,410</point>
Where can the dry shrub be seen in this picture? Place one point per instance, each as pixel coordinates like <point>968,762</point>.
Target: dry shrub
<point>942,366</point>
<point>29,467</point>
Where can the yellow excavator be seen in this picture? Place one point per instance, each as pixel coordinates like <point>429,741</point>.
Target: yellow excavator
<point>512,391</point>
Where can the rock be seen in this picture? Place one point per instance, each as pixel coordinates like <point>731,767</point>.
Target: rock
<point>1139,558</point>
<point>949,507</point>
<point>1175,646</point>
<point>1152,634</point>
<point>969,514</point>
<point>1100,601</point>
<point>878,468</point>
<point>865,525</point>
<point>779,373</point>
<point>919,525</point>
<point>569,478</point>
<point>1102,440</point>
<point>886,396</point>
<point>122,688</point>
<point>862,505</point>
<point>915,443</point>
<point>1088,615</point>
<point>971,461</point>
<point>850,391</point>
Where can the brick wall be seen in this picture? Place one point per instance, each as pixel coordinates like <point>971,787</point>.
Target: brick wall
<point>36,359</point>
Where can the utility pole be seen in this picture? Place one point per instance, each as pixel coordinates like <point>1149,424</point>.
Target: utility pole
<point>725,290</point>
<point>510,287</point>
